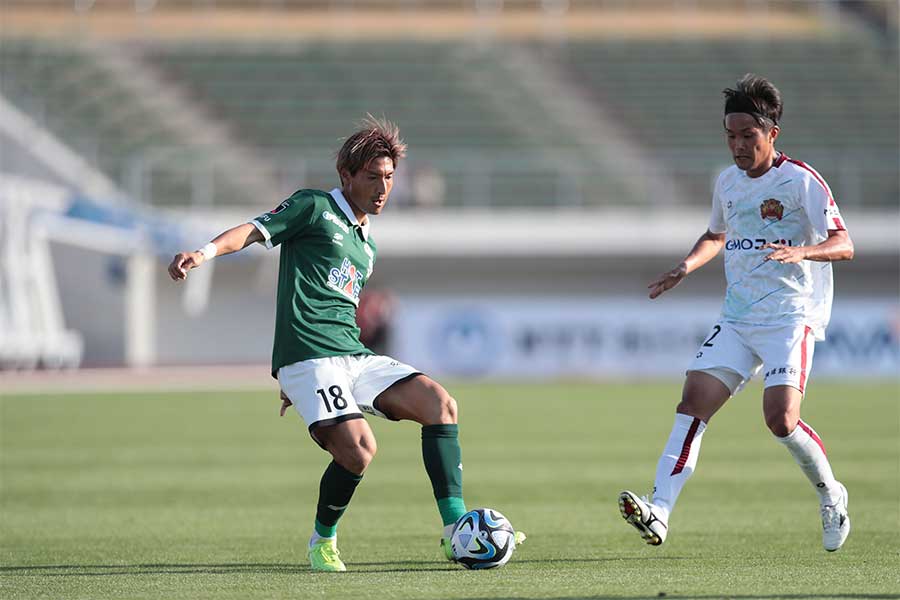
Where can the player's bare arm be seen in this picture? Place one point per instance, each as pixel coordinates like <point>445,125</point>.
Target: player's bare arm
<point>838,246</point>
<point>233,240</point>
<point>707,247</point>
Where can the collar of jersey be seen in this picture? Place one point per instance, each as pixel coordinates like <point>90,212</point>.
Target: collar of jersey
<point>348,212</point>
<point>773,171</point>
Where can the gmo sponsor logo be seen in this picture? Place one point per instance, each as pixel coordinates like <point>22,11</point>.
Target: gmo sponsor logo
<point>754,244</point>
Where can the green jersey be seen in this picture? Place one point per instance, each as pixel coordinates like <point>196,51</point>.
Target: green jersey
<point>326,259</point>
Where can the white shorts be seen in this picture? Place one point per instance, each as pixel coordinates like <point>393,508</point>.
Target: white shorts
<point>734,353</point>
<point>329,390</point>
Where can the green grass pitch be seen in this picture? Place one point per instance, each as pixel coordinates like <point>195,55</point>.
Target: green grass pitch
<point>211,495</point>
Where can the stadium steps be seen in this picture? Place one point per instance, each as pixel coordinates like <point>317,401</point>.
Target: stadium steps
<point>458,109</point>
<point>841,103</point>
<point>101,104</point>
<point>202,140</point>
<point>613,151</point>
<point>66,91</point>
<point>504,90</point>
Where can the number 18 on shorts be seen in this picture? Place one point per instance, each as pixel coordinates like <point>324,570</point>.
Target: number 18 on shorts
<point>329,390</point>
<point>334,400</point>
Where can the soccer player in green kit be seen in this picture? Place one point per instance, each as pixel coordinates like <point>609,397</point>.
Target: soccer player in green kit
<point>330,378</point>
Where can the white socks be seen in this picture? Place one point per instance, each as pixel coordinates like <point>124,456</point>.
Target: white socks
<point>677,462</point>
<point>679,458</point>
<point>808,450</point>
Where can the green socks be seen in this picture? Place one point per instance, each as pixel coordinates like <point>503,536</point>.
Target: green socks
<point>443,463</point>
<point>335,490</point>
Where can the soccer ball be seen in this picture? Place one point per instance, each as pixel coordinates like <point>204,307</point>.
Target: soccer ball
<point>482,539</point>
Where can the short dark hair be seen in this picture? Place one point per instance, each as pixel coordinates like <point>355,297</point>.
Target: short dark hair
<point>374,139</point>
<point>757,97</point>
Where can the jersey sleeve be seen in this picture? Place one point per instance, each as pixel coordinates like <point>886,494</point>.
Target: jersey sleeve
<point>289,219</point>
<point>820,206</point>
<point>717,216</point>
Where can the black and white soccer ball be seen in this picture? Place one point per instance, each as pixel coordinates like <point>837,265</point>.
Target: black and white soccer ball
<point>482,539</point>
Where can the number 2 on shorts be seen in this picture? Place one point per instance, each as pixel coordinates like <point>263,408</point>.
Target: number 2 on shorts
<point>716,331</point>
<point>337,398</point>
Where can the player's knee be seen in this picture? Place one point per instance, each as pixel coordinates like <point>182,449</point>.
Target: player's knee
<point>702,396</point>
<point>357,456</point>
<point>690,406</point>
<point>447,407</point>
<point>440,407</point>
<point>781,424</point>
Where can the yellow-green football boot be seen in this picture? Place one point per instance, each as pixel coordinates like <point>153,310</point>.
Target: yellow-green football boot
<point>324,556</point>
<point>445,546</point>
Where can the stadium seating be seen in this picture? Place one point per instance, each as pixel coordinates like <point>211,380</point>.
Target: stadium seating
<point>295,101</point>
<point>466,116</point>
<point>64,88</point>
<point>840,93</point>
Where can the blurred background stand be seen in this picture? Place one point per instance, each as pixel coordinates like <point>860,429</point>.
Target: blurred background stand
<point>561,156</point>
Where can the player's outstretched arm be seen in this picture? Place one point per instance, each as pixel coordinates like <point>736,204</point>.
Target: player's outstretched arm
<point>236,238</point>
<point>838,246</point>
<point>708,245</point>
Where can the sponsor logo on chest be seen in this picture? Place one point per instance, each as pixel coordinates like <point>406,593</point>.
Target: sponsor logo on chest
<point>329,216</point>
<point>347,280</point>
<point>753,244</point>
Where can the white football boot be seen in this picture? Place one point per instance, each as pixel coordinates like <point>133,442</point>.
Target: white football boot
<point>645,517</point>
<point>835,522</point>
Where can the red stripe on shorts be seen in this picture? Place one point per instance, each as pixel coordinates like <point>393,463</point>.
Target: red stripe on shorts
<point>812,433</point>
<point>686,448</point>
<point>803,355</point>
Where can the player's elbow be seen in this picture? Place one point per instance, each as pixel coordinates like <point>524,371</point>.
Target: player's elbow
<point>849,251</point>
<point>845,252</point>
<point>845,248</point>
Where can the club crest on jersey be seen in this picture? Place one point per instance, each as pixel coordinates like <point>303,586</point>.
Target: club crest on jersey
<point>347,280</point>
<point>771,210</point>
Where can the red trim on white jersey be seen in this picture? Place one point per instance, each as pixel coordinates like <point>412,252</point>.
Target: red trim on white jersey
<point>686,447</point>
<point>780,160</point>
<point>812,433</point>
<point>818,177</point>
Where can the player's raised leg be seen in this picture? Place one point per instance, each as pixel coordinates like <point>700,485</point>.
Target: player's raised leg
<point>423,400</point>
<point>702,396</point>
<point>352,447</point>
<point>781,407</point>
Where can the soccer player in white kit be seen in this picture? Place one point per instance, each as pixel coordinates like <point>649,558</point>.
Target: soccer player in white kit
<point>780,227</point>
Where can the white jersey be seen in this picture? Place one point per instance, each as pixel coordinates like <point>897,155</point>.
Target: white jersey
<point>792,205</point>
